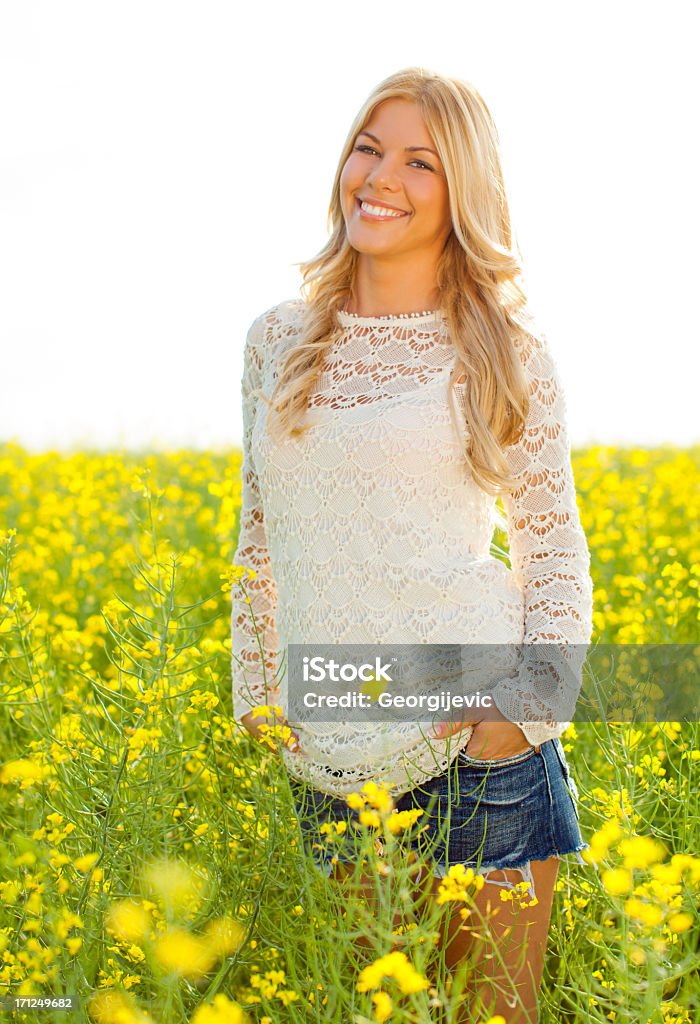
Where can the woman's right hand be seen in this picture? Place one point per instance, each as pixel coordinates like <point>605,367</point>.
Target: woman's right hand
<point>259,722</point>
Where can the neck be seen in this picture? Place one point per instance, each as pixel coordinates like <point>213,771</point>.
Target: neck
<point>379,289</point>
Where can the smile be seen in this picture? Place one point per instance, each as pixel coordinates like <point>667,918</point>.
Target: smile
<point>378,212</point>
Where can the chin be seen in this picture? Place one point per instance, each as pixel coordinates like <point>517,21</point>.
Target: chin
<point>370,246</point>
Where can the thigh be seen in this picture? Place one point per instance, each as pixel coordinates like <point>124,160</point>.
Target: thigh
<point>502,946</point>
<point>511,820</point>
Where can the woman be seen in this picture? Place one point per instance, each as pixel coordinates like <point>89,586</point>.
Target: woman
<point>383,415</point>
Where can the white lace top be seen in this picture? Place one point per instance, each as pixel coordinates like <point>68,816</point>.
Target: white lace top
<point>370,529</point>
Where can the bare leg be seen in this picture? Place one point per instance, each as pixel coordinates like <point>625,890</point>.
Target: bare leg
<point>508,942</point>
<point>366,887</point>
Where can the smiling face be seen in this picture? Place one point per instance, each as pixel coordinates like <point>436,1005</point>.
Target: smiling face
<point>393,188</point>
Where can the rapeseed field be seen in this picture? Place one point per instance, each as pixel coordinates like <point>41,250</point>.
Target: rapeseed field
<point>150,862</point>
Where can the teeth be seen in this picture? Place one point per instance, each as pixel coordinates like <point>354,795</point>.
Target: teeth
<point>380,211</point>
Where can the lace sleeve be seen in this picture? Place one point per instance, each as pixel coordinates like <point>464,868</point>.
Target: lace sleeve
<point>252,684</point>
<point>550,560</point>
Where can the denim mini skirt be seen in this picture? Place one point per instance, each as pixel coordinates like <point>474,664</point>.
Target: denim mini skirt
<point>488,814</point>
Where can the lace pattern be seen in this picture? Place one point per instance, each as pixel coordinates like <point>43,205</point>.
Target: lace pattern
<point>371,529</point>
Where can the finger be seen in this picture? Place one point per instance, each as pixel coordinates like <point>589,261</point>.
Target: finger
<point>444,729</point>
<point>440,732</point>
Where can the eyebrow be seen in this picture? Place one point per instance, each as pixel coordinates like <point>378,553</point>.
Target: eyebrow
<point>408,149</point>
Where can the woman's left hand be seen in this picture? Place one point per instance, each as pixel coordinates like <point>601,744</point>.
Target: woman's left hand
<point>491,739</point>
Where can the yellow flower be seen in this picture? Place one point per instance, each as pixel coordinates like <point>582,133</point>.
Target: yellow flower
<point>180,952</point>
<point>267,709</point>
<point>224,935</point>
<point>601,841</point>
<point>383,1006</point>
<point>286,995</point>
<point>617,881</point>
<point>234,575</point>
<point>666,874</point>
<point>686,862</point>
<point>175,883</point>
<point>394,965</point>
<point>680,922</point>
<point>674,1013</point>
<point>109,1006</point>
<point>377,797</point>
<point>128,920</point>
<point>86,862</point>
<point>399,820</point>
<point>23,771</point>
<point>221,1011</point>
<point>518,892</point>
<point>269,985</point>
<point>647,913</point>
<point>641,852</point>
<point>333,829</point>
<point>455,884</point>
<point>355,801</point>
<point>370,818</point>
<point>408,978</point>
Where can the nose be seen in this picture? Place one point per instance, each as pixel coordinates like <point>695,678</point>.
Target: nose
<point>383,174</point>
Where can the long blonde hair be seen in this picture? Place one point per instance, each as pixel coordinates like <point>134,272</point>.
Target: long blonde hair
<point>476,277</point>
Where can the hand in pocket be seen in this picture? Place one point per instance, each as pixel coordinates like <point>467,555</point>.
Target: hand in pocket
<point>492,740</point>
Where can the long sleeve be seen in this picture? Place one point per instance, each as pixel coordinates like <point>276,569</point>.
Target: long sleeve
<point>550,560</point>
<point>253,684</point>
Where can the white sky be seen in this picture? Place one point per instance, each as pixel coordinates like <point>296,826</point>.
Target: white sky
<point>163,165</point>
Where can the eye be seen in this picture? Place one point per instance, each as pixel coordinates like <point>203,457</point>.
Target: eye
<point>364,148</point>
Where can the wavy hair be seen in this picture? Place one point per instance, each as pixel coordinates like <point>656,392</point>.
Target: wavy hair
<point>477,277</point>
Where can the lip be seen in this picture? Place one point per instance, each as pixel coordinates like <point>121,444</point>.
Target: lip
<point>384,206</point>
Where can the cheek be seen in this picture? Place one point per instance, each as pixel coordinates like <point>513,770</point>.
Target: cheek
<point>353,174</point>
<point>430,203</point>
<point>346,174</point>
<point>348,187</point>
<point>439,204</point>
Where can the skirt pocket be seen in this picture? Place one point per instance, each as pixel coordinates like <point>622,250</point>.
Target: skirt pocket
<point>495,762</point>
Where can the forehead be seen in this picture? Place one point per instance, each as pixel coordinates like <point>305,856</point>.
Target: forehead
<point>398,117</point>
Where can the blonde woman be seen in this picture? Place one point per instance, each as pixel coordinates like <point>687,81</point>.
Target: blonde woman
<point>383,414</point>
